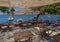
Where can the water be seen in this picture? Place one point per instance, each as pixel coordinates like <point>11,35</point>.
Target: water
<point>25,17</point>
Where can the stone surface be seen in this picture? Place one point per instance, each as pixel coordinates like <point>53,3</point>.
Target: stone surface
<point>26,3</point>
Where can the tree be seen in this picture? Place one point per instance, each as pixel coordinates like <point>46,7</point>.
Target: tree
<point>53,9</point>
<point>4,9</point>
<point>12,11</point>
<point>41,12</point>
<point>11,14</point>
<point>50,9</point>
<point>8,11</point>
<point>40,9</point>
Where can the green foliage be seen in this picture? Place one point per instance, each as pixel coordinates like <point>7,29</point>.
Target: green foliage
<point>53,9</point>
<point>4,9</point>
<point>7,10</point>
<point>12,11</point>
<point>50,9</point>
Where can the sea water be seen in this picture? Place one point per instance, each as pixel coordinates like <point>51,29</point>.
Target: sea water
<point>25,17</point>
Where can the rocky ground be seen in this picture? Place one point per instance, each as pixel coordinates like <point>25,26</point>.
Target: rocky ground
<point>9,35</point>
